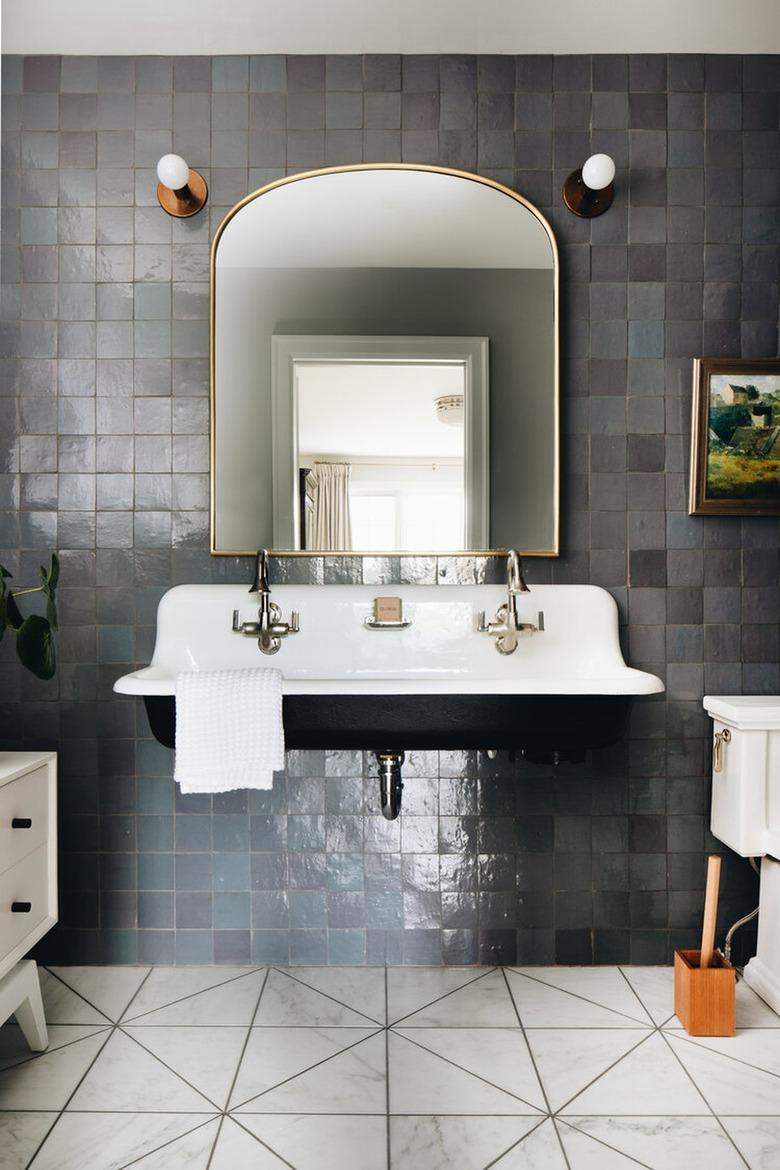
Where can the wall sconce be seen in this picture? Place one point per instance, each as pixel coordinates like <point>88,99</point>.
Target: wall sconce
<point>590,191</point>
<point>180,191</point>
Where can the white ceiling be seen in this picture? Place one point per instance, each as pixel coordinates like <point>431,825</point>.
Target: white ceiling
<point>390,26</point>
<point>375,410</point>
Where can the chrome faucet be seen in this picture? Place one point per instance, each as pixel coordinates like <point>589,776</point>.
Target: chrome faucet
<point>269,629</point>
<point>506,626</point>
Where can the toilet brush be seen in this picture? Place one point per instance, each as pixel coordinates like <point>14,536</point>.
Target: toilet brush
<point>704,981</point>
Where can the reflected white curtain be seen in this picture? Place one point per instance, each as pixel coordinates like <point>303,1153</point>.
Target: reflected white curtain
<point>332,522</point>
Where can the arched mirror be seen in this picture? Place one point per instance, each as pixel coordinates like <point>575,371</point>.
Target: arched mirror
<point>384,367</point>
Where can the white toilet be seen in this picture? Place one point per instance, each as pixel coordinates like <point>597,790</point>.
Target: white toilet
<point>746,812</point>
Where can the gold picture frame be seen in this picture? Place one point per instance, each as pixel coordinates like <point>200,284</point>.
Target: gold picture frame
<point>735,437</point>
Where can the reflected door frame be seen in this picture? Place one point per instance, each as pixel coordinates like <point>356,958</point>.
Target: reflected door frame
<point>289,350</point>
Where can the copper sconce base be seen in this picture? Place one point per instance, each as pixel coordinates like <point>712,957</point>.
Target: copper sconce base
<point>583,200</point>
<point>187,200</point>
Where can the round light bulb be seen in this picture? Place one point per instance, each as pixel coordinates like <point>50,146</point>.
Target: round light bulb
<point>173,172</point>
<point>598,171</point>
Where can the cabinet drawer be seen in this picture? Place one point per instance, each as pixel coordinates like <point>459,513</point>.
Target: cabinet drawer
<point>25,799</point>
<point>27,881</point>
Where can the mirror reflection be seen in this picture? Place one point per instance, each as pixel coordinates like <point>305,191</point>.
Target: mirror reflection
<point>384,366</point>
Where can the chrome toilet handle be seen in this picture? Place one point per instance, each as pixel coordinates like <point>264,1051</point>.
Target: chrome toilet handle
<point>721,737</point>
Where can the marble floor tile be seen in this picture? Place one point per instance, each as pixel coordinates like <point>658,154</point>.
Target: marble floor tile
<point>288,1002</point>
<point>485,1003</point>
<point>353,1081</point>
<point>207,1058</point>
<point>729,1086</point>
<point>360,988</point>
<point>661,1143</point>
<point>648,1080</point>
<point>169,985</point>
<point>274,1055</point>
<point>603,986</point>
<point>237,1148</point>
<point>759,1047</point>
<point>569,1059</point>
<point>63,1005</point>
<point>409,989</point>
<point>655,988</point>
<point>20,1136</point>
<point>126,1078</point>
<point>540,1005</point>
<point>454,1143</point>
<point>228,1004</point>
<point>108,1141</point>
<point>192,1151</point>
<point>423,1083</point>
<point>47,1081</point>
<point>499,1056</point>
<point>323,1143</point>
<point>14,1049</point>
<point>757,1138</point>
<point>109,989</point>
<point>540,1150</point>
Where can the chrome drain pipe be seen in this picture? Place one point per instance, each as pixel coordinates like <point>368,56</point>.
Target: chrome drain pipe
<point>390,783</point>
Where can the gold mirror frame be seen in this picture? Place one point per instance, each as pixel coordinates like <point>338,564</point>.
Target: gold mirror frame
<point>554,551</point>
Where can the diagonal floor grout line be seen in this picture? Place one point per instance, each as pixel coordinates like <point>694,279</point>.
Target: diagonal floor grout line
<point>317,1064</point>
<point>332,998</point>
<point>79,995</point>
<point>387,1075</point>
<point>125,1019</point>
<point>583,998</point>
<point>726,1055</point>
<point>170,1142</point>
<point>238,1066</point>
<point>126,1008</point>
<point>468,1071</point>
<point>55,1115</point>
<point>47,1051</point>
<point>601,1142</point>
<point>439,998</point>
<point>519,1142</point>
<point>237,1121</point>
<point>704,1099</point>
<point>536,1070</point>
<point>638,997</point>
<point>76,1087</point>
<point>604,1071</point>
<point>216,1108</point>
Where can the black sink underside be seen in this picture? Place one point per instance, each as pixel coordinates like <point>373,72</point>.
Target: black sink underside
<point>539,725</point>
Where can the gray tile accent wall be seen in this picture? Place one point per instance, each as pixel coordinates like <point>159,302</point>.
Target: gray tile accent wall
<point>104,455</point>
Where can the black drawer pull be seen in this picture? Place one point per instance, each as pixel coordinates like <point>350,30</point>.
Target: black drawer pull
<point>21,907</point>
<point>21,823</point>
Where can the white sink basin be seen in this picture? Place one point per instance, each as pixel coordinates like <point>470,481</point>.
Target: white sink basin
<point>440,653</point>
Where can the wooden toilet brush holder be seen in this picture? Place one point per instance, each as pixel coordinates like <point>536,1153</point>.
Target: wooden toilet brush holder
<point>705,984</point>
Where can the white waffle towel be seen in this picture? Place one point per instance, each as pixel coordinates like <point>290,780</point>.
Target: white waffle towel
<point>229,731</point>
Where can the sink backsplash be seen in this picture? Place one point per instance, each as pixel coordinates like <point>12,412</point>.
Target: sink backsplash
<point>104,422</point>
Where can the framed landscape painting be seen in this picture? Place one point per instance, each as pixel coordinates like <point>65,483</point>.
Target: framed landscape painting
<point>735,437</point>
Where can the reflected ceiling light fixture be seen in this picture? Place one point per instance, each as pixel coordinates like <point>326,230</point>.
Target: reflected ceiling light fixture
<point>589,191</point>
<point>180,191</point>
<point>450,409</point>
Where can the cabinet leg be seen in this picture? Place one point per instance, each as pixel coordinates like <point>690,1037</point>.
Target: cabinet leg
<point>20,994</point>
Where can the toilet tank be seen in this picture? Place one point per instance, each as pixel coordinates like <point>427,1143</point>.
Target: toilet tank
<point>746,772</point>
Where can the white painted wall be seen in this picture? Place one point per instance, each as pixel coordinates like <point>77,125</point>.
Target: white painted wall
<point>390,26</point>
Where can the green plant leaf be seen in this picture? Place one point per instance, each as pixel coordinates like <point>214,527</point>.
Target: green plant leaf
<point>35,646</point>
<point>14,614</point>
<point>49,579</point>
<point>4,572</point>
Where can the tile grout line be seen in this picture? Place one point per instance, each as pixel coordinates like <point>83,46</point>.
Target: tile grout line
<point>704,1099</point>
<point>604,1071</point>
<point>469,1071</point>
<point>519,1142</point>
<point>725,1055</point>
<point>60,1047</point>
<point>326,995</point>
<point>182,998</point>
<point>639,999</point>
<point>75,1089</point>
<point>536,1070</point>
<point>159,1059</point>
<point>438,998</point>
<point>156,1150</point>
<point>601,1142</point>
<point>582,998</point>
<point>387,1072</point>
<point>238,1067</point>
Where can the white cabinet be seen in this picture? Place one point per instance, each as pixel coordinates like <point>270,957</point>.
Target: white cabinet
<point>28,881</point>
